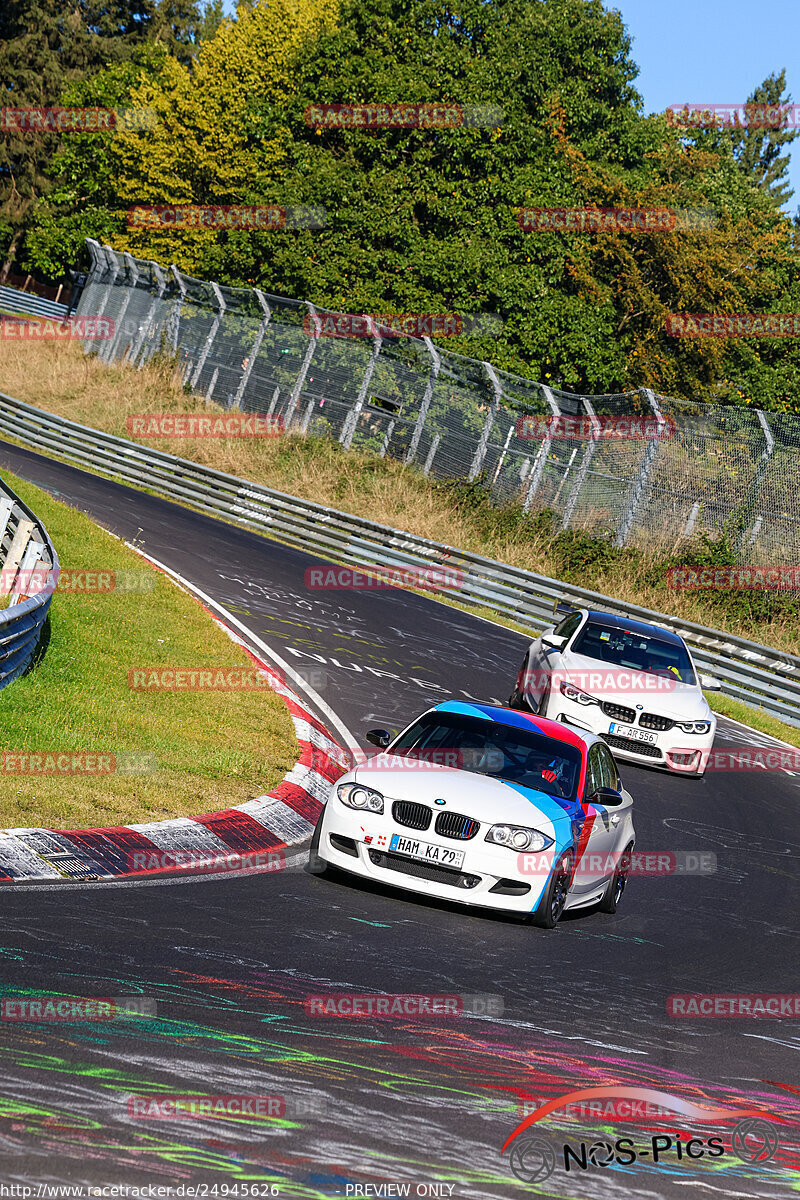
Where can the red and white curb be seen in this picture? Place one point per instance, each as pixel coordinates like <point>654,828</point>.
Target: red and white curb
<point>250,834</point>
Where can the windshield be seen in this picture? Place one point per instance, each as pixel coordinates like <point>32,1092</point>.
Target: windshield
<point>627,648</point>
<point>499,751</point>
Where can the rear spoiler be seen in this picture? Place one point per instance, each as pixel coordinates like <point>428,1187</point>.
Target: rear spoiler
<point>562,607</point>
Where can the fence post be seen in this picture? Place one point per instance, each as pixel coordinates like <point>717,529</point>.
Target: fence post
<point>134,353</point>
<point>483,444</point>
<point>96,271</point>
<point>628,515</point>
<point>112,264</point>
<point>130,288</point>
<point>434,446</point>
<point>351,420</point>
<point>540,462</point>
<point>212,333</point>
<point>436,363</point>
<point>254,349</point>
<point>583,470</point>
<point>749,506</point>
<point>299,382</point>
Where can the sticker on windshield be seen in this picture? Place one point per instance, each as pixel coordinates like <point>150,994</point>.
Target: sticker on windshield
<point>604,637</point>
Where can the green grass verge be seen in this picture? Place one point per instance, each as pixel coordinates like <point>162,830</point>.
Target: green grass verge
<point>756,718</point>
<point>211,748</point>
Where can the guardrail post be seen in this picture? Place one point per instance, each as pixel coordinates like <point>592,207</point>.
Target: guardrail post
<point>583,470</point>
<point>628,515</point>
<point>483,444</point>
<point>436,363</point>
<point>540,462</point>
<point>135,351</point>
<point>19,544</point>
<point>107,354</point>
<point>299,382</point>
<point>254,349</point>
<point>212,333</point>
<point>33,554</point>
<point>351,420</point>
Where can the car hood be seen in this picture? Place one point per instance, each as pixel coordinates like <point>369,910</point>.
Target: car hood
<point>682,701</point>
<point>476,796</point>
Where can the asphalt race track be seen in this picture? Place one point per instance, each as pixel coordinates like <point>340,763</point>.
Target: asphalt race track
<point>426,1102</point>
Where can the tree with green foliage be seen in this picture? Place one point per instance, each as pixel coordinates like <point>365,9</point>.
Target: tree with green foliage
<point>46,51</point>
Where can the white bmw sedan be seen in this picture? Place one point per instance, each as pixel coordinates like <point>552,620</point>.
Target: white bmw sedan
<point>629,682</point>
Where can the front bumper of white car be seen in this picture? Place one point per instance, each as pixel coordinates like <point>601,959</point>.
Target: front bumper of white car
<point>488,877</point>
<point>671,749</point>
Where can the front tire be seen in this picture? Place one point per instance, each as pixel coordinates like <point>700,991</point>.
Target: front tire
<point>611,897</point>
<point>517,698</point>
<point>552,903</point>
<point>316,864</point>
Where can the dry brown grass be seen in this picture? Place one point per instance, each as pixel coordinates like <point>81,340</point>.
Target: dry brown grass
<point>58,377</point>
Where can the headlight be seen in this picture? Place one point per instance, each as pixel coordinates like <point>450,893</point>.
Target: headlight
<point>518,837</point>
<point>573,693</point>
<point>694,726</point>
<point>363,799</point>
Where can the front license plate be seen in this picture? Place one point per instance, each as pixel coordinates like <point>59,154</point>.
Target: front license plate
<point>636,735</point>
<point>427,852</point>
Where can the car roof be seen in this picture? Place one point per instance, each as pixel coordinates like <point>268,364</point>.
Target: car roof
<point>521,720</point>
<point>642,627</point>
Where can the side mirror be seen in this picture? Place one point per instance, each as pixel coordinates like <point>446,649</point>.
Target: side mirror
<point>379,737</point>
<point>710,684</point>
<point>605,796</point>
<point>553,641</point>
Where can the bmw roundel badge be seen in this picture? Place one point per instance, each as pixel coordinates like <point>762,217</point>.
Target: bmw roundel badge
<point>439,801</point>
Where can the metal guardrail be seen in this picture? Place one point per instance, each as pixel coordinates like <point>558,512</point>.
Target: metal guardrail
<point>14,301</point>
<point>750,672</point>
<point>27,557</point>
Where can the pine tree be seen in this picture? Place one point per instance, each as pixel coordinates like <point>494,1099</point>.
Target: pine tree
<point>758,150</point>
